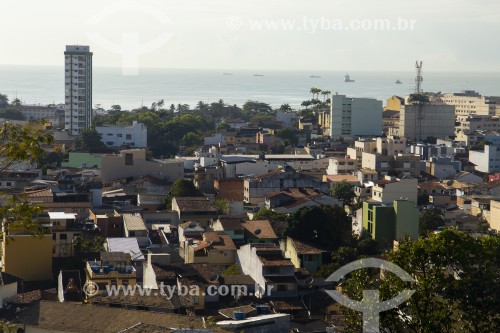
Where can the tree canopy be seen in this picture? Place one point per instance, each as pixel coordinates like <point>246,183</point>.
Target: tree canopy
<point>344,191</point>
<point>182,188</point>
<point>325,226</point>
<point>89,138</point>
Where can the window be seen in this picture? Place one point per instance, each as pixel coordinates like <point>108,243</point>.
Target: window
<point>63,236</point>
<point>129,159</point>
<point>282,287</point>
<point>119,135</point>
<point>131,233</point>
<point>128,136</point>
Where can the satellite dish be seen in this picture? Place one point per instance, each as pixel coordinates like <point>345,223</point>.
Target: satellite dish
<point>257,232</point>
<point>213,277</point>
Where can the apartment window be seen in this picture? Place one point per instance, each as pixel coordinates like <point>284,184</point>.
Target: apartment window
<point>128,136</point>
<point>282,287</point>
<point>119,135</point>
<point>129,159</point>
<point>63,236</point>
<point>53,236</point>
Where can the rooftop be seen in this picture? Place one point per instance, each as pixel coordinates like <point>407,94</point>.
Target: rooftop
<point>305,248</point>
<point>195,204</point>
<point>259,229</point>
<point>133,222</point>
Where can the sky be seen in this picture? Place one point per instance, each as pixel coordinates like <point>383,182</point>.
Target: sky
<point>448,35</point>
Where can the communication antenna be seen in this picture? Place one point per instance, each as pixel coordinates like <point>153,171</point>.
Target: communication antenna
<point>419,78</point>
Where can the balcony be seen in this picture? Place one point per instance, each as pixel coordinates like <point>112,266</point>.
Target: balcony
<point>100,270</point>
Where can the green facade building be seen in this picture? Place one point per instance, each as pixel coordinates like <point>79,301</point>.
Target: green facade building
<point>387,223</point>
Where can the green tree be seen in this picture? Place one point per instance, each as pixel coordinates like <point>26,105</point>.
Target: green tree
<point>289,136</point>
<point>222,206</point>
<point>344,191</point>
<point>326,226</point>
<point>89,138</point>
<point>182,188</point>
<point>315,92</point>
<point>4,101</point>
<point>85,248</point>
<point>21,143</point>
<point>192,139</point>
<point>430,220</point>
<point>276,219</point>
<point>285,107</point>
<point>222,126</point>
<point>256,107</point>
<point>116,107</point>
<point>234,269</point>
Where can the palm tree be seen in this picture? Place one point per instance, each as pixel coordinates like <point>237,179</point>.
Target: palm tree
<point>325,94</point>
<point>306,104</point>
<point>285,107</point>
<point>315,91</point>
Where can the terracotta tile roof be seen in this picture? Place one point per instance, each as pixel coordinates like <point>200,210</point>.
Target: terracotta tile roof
<point>230,223</point>
<point>195,204</point>
<point>296,193</point>
<point>339,178</point>
<point>155,299</point>
<point>41,193</point>
<point>259,229</point>
<point>28,297</point>
<point>288,305</point>
<point>431,186</point>
<point>221,242</point>
<point>305,248</point>
<point>133,222</point>
<point>271,255</point>
<point>269,174</point>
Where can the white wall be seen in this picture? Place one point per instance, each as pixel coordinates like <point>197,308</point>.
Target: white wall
<point>116,136</point>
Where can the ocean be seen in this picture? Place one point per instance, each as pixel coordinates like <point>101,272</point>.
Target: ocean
<point>44,85</point>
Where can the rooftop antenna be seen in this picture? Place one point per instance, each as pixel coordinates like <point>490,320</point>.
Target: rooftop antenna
<point>419,78</point>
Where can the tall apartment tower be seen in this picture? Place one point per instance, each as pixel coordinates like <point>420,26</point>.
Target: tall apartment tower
<point>78,88</point>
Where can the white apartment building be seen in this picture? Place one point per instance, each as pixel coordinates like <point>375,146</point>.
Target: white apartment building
<point>361,146</point>
<point>487,160</point>
<point>391,145</point>
<point>418,122</point>
<point>391,188</point>
<point>341,166</point>
<point>78,88</point>
<point>51,113</point>
<point>469,102</point>
<point>355,116</point>
<point>135,136</point>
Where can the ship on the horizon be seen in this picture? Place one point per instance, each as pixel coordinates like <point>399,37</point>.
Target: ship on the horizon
<point>347,78</point>
<point>315,77</point>
<point>258,75</point>
<point>398,82</point>
<point>227,73</point>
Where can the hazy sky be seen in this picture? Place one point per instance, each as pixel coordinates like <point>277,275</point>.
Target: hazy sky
<point>448,35</point>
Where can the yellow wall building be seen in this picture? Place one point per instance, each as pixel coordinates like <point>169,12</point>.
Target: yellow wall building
<point>28,257</point>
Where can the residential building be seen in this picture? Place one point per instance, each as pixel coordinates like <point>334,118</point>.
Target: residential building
<point>361,146</point>
<point>113,269</point>
<point>134,227</point>
<point>8,288</point>
<point>495,215</point>
<point>27,256</point>
<point>341,166</point>
<point>391,188</point>
<point>303,255</point>
<point>109,221</point>
<point>350,117</point>
<point>257,187</point>
<point>199,209</point>
<point>486,160</point>
<point>426,151</point>
<point>64,230</point>
<point>419,122</point>
<point>50,113</point>
<point>215,248</point>
<point>78,88</point>
<point>133,163</point>
<point>230,189</point>
<point>390,122</point>
<point>231,226</point>
<point>134,136</point>
<point>272,272</point>
<point>443,167</point>
<point>290,200</point>
<point>471,123</point>
<point>394,103</point>
<point>399,165</point>
<point>259,231</point>
<point>387,223</point>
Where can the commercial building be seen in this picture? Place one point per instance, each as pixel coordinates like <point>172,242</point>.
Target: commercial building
<point>470,102</point>
<point>419,122</point>
<point>78,88</point>
<point>355,116</point>
<point>134,136</point>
